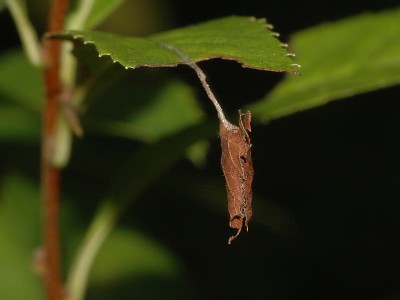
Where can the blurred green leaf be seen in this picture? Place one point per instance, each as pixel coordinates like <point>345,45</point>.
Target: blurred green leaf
<point>18,124</point>
<point>100,11</point>
<point>19,238</point>
<point>146,113</point>
<point>20,98</point>
<point>243,39</point>
<point>153,160</point>
<point>2,5</point>
<point>20,82</point>
<point>131,260</point>
<point>132,254</point>
<point>89,14</point>
<point>197,153</point>
<point>340,59</point>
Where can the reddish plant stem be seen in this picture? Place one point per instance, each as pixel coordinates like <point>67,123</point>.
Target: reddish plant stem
<point>50,174</point>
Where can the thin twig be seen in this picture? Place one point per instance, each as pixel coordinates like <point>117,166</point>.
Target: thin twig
<point>97,233</point>
<point>27,33</point>
<point>202,77</point>
<point>50,174</point>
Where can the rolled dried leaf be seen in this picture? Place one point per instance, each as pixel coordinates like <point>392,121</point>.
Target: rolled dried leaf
<point>238,171</point>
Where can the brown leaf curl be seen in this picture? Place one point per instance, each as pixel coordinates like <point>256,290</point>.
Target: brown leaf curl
<point>238,171</point>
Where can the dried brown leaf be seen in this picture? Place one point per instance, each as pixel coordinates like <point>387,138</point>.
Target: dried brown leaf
<point>238,171</point>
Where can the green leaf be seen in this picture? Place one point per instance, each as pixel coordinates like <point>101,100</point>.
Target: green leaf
<point>132,254</point>
<point>20,82</point>
<point>20,98</point>
<point>2,5</point>
<point>131,262</point>
<point>100,11</point>
<point>19,237</point>
<point>18,124</point>
<point>148,112</point>
<point>243,39</point>
<point>88,13</point>
<point>153,160</point>
<point>338,60</point>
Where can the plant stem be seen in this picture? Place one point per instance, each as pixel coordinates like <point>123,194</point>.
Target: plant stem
<point>50,174</point>
<point>99,230</point>
<point>202,77</point>
<point>210,94</point>
<point>26,31</point>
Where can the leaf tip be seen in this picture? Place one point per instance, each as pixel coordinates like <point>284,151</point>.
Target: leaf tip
<point>234,236</point>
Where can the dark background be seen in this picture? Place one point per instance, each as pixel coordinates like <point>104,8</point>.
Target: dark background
<point>330,176</point>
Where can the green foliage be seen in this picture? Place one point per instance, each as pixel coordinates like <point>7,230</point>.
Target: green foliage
<point>141,257</point>
<point>94,12</point>
<point>222,38</point>
<point>341,59</point>
<point>130,117</point>
<point>19,107</point>
<point>19,238</point>
<point>17,72</point>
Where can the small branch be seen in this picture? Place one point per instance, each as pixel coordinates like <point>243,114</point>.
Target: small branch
<point>202,77</point>
<point>50,174</point>
<point>99,230</point>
